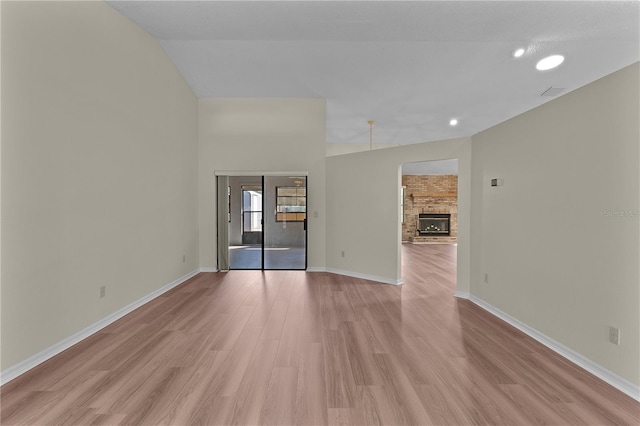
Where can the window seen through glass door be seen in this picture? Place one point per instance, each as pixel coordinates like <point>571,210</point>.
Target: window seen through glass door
<point>252,210</point>
<point>291,204</point>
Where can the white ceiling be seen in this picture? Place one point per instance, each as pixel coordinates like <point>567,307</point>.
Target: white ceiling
<point>410,66</point>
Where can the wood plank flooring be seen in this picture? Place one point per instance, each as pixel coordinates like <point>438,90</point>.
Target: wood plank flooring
<point>285,348</point>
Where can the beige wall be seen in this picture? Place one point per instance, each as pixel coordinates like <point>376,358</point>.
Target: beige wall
<point>1,186</point>
<point>352,147</point>
<point>262,135</point>
<point>99,159</point>
<point>557,257</point>
<point>363,208</point>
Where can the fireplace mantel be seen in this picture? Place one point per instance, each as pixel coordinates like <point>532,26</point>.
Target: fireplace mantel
<point>435,195</point>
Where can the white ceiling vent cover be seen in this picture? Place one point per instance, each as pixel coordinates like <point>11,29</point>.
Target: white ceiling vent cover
<point>553,91</point>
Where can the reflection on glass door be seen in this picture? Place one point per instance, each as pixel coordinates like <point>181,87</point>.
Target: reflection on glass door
<point>285,222</point>
<point>252,214</point>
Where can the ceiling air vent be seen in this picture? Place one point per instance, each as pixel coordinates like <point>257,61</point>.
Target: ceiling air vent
<point>553,91</point>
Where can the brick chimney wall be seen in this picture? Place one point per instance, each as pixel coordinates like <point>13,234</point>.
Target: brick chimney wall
<point>413,205</point>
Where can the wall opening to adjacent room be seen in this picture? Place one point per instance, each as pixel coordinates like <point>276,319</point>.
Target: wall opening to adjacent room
<point>429,203</point>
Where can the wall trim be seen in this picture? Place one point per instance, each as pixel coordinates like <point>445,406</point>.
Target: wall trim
<point>316,269</point>
<point>34,360</point>
<point>365,276</point>
<point>208,269</point>
<point>461,295</point>
<point>258,173</point>
<point>597,370</point>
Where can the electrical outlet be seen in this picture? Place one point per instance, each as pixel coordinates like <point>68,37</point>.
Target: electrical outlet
<point>184,257</point>
<point>103,291</point>
<point>614,335</point>
<point>486,278</point>
<point>342,253</point>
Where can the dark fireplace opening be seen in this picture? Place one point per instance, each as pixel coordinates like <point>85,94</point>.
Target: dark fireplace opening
<point>434,224</point>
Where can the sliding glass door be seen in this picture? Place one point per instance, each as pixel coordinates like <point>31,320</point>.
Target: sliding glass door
<point>262,222</point>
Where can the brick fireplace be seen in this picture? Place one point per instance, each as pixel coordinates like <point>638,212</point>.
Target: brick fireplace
<point>434,196</point>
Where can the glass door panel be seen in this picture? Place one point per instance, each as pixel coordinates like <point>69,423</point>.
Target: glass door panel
<point>285,222</point>
<point>245,224</point>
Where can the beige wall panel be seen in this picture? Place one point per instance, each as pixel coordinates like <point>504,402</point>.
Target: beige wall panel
<point>560,239</point>
<point>363,207</point>
<point>262,135</point>
<point>99,160</point>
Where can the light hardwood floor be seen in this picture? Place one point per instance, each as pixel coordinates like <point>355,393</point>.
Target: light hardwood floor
<point>283,348</point>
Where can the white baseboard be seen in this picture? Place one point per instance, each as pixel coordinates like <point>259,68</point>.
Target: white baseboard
<point>31,362</point>
<point>597,370</point>
<point>208,269</point>
<point>461,295</point>
<point>365,276</point>
<point>316,269</point>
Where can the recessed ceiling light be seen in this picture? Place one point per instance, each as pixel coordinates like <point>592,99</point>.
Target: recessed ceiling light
<point>518,53</point>
<point>549,62</point>
<point>453,122</point>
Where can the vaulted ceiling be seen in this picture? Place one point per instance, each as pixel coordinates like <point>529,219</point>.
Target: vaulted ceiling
<point>409,66</point>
